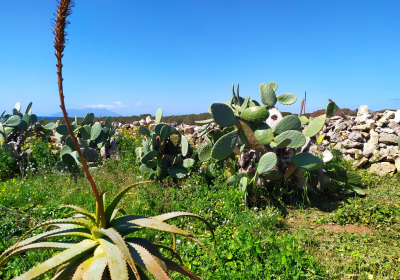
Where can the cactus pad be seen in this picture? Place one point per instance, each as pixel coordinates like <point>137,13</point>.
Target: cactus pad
<point>246,134</point>
<point>149,156</point>
<point>267,162</point>
<point>304,120</point>
<point>108,122</point>
<point>159,114</point>
<point>68,159</point>
<point>331,108</point>
<point>223,114</point>
<point>23,125</point>
<point>267,93</point>
<point>185,146</point>
<point>188,162</point>
<point>28,108</point>
<point>204,152</point>
<point>307,161</point>
<point>177,171</point>
<point>70,143</point>
<point>162,169</point>
<point>297,139</point>
<point>225,145</point>
<point>157,128</point>
<point>274,174</point>
<point>287,123</point>
<point>175,139</point>
<point>315,126</point>
<point>264,134</point>
<point>144,131</point>
<point>12,121</point>
<point>204,121</point>
<point>18,107</point>
<point>85,132</point>
<point>287,98</point>
<point>255,114</point>
<point>166,131</point>
<point>89,118</point>
<point>96,131</point>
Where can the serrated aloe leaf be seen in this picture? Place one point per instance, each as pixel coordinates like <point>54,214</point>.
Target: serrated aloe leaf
<point>225,145</point>
<point>185,145</point>
<point>18,107</point>
<point>122,246</point>
<point>267,94</point>
<point>307,161</point>
<point>146,260</point>
<point>12,121</point>
<point>204,152</point>
<point>287,123</point>
<point>115,259</point>
<point>177,171</point>
<point>108,122</point>
<point>159,115</point>
<point>287,98</point>
<point>70,254</point>
<point>204,121</point>
<point>315,126</point>
<point>304,120</point>
<point>223,114</point>
<point>95,131</point>
<point>297,139</point>
<point>264,134</point>
<point>99,263</point>
<point>331,108</point>
<point>149,156</point>
<point>267,162</point>
<point>274,174</point>
<point>188,162</point>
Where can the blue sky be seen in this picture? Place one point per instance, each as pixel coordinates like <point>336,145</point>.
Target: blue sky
<point>136,56</point>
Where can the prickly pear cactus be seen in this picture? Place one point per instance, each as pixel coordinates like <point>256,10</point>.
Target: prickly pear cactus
<point>164,151</point>
<point>278,146</point>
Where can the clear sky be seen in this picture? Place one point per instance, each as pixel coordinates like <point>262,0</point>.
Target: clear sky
<point>182,55</point>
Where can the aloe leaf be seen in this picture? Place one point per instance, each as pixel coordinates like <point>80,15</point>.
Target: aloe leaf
<point>90,216</point>
<point>116,211</point>
<point>83,269</point>
<point>171,215</point>
<point>182,270</point>
<point>36,246</point>
<point>98,266</point>
<point>73,252</point>
<point>66,271</point>
<point>117,198</point>
<point>146,260</point>
<point>115,259</point>
<point>122,246</point>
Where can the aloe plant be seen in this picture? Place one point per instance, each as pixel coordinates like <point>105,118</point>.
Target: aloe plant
<point>159,154</point>
<point>104,250</point>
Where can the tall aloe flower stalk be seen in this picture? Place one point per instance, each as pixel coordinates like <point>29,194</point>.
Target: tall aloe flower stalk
<point>105,251</point>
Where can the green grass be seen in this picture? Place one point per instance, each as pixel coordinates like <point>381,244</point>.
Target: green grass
<point>291,236</point>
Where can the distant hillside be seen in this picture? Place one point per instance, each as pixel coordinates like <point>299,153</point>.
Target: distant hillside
<point>81,113</point>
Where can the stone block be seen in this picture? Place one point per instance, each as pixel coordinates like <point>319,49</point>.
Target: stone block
<point>369,149</point>
<point>388,138</point>
<point>382,168</point>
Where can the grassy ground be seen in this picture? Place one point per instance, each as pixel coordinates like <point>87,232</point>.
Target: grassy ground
<point>330,235</point>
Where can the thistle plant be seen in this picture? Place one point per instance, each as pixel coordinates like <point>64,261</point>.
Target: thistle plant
<point>105,249</point>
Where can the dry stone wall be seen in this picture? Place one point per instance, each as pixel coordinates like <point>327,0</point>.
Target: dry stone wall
<point>368,140</point>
